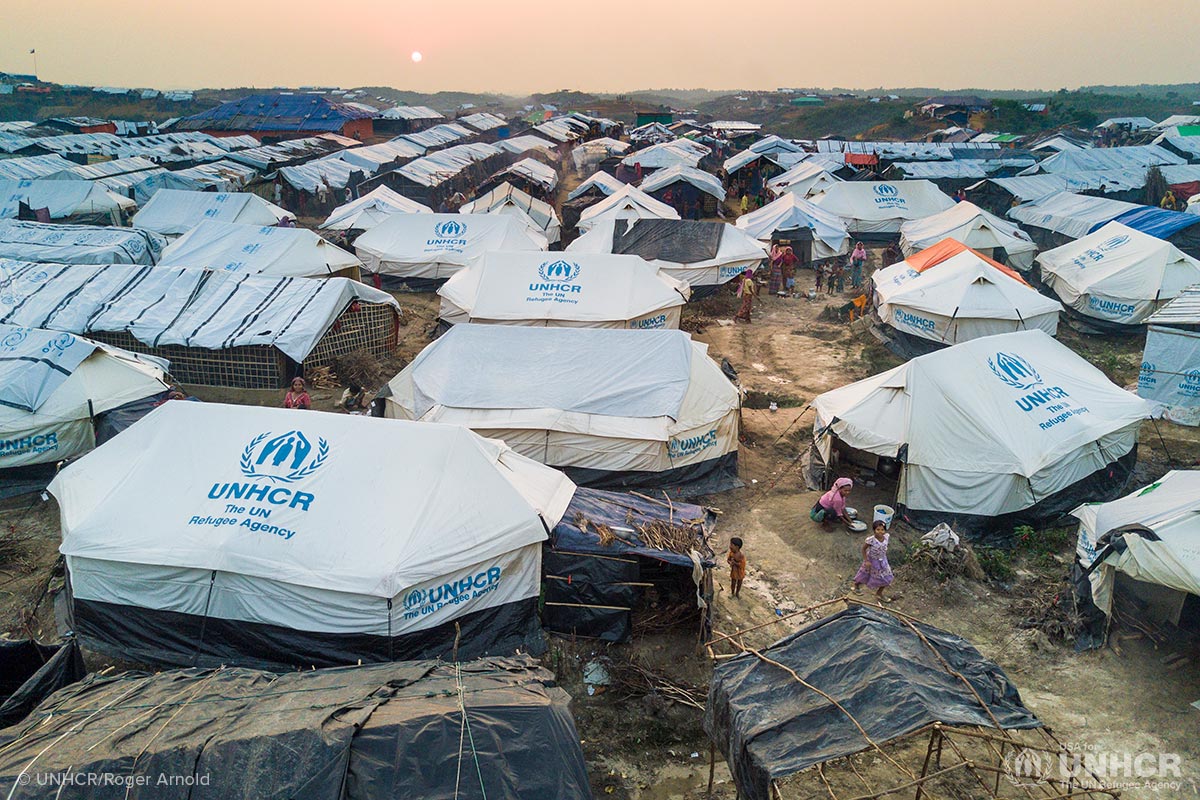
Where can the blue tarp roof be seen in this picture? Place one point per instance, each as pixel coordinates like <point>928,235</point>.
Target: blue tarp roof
<point>275,112</point>
<point>1156,222</point>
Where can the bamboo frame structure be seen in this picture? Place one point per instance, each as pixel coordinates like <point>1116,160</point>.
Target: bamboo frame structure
<point>958,761</point>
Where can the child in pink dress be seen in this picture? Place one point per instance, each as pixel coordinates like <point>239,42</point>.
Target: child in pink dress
<point>875,571</point>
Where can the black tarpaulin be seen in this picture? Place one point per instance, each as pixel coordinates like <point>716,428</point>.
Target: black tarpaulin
<point>31,672</point>
<point>680,241</point>
<point>354,733</point>
<point>769,726</point>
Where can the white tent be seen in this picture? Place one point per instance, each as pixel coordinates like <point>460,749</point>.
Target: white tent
<point>82,201</point>
<point>173,212</point>
<point>1118,275</point>
<point>627,202</point>
<point>255,250</point>
<point>56,387</point>
<point>950,293</point>
<point>968,223</point>
<point>805,179</point>
<point>289,538</point>
<point>704,254</point>
<point>1149,536</point>
<point>790,212</point>
<point>508,199</point>
<point>78,244</point>
<point>881,207</point>
<point>612,407</point>
<point>704,181</point>
<point>667,154</point>
<point>423,250</point>
<point>603,182</point>
<point>577,290</point>
<point>371,209</point>
<point>1012,425</point>
<point>1072,215</point>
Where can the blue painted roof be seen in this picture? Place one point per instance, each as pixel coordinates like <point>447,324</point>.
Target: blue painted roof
<point>275,112</point>
<point>1156,222</point>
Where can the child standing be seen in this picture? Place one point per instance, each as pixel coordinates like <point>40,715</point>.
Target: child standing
<point>875,571</point>
<point>737,566</point>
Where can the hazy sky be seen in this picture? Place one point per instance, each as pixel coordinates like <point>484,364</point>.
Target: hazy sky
<point>603,45</point>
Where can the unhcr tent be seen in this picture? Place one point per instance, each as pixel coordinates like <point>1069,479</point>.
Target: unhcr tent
<point>792,217</point>
<point>950,293</point>
<point>275,543</point>
<point>359,733</point>
<point>1171,361</point>
<point>977,229</point>
<point>627,202</point>
<point>371,209</point>
<point>804,180</point>
<point>74,201</point>
<point>1118,276</point>
<point>217,328</point>
<point>78,244</point>
<point>610,407</point>
<point>600,182</point>
<point>577,290</point>
<point>704,181</point>
<point>173,212</point>
<point>704,254</point>
<point>255,250</point>
<point>421,251</point>
<point>991,433</point>
<point>508,199</point>
<point>1145,544</point>
<point>1055,220</point>
<point>60,395</point>
<point>875,210</point>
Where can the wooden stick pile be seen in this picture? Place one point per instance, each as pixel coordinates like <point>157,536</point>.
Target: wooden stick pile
<point>638,680</point>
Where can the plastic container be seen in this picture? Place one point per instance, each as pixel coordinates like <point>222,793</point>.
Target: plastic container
<point>884,514</point>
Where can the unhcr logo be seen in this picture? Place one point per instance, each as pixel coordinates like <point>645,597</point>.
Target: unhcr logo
<point>680,448</point>
<point>1109,245</point>
<point>886,190</point>
<point>560,270</point>
<point>12,340</point>
<point>1015,371</point>
<point>450,229</point>
<point>1146,377</point>
<point>283,458</point>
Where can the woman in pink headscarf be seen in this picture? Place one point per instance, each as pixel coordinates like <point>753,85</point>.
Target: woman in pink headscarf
<point>832,504</point>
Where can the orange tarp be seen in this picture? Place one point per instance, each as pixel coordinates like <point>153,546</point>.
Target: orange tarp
<point>948,248</point>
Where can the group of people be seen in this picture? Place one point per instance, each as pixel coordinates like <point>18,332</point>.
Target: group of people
<point>353,400</point>
<point>781,280</point>
<point>832,273</point>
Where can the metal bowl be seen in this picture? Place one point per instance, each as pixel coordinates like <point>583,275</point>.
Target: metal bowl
<point>857,526</point>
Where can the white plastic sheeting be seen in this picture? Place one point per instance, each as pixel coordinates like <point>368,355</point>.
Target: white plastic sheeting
<point>435,246</point>
<point>508,199</point>
<point>1102,158</point>
<point>334,540</point>
<point>255,250</point>
<point>173,212</point>
<point>52,384</point>
<point>1070,214</point>
<point>882,206</point>
<point>600,399</point>
<point>439,167</point>
<point>957,296</point>
<point>18,169</point>
<point>580,290</point>
<point>803,180</point>
<point>1170,372</point>
<point>175,305</point>
<point>704,181</point>
<point>78,244</point>
<point>533,170</point>
<point>605,183</point>
<point>991,426</point>
<point>667,154</point>
<point>1118,274</point>
<point>371,209</point>
<point>63,199</point>
<point>968,223</point>
<point>1148,535</point>
<point>789,213</point>
<point>626,202</point>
